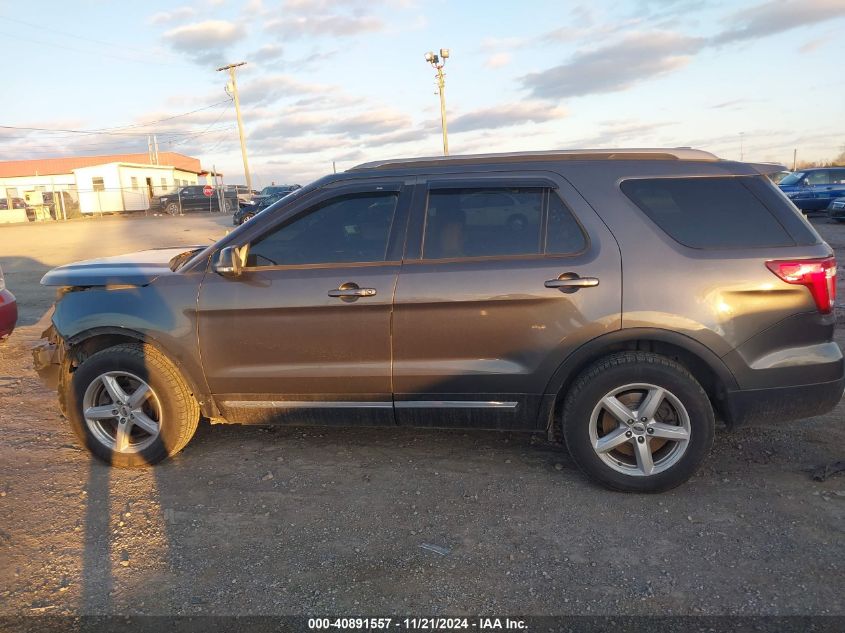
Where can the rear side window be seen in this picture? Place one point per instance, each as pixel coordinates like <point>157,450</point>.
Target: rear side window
<point>708,212</point>
<point>497,222</point>
<point>483,222</point>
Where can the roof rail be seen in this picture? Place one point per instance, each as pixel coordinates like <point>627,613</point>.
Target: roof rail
<point>672,153</point>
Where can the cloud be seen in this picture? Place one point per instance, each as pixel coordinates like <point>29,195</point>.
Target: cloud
<point>269,88</point>
<point>179,13</point>
<point>334,25</point>
<point>314,60</point>
<point>506,116</point>
<point>619,133</point>
<point>268,52</point>
<point>614,67</point>
<point>370,122</point>
<point>495,44</point>
<point>207,41</point>
<point>498,60</point>
<point>778,16</point>
<point>286,125</point>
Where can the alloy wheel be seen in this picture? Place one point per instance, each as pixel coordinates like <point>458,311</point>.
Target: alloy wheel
<point>122,412</point>
<point>640,429</point>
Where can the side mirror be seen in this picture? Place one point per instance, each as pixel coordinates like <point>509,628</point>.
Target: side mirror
<point>227,262</point>
<point>805,182</point>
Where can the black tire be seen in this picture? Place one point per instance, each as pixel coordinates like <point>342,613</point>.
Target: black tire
<point>179,410</point>
<point>228,205</point>
<point>173,208</point>
<point>626,368</point>
<point>247,217</point>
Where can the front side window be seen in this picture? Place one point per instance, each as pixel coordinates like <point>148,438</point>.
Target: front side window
<point>349,229</point>
<point>837,176</point>
<point>821,177</point>
<point>481,222</point>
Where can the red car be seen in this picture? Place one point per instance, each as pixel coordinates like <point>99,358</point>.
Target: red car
<point>8,309</point>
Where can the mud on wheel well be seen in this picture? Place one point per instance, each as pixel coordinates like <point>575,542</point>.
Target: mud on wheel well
<point>703,372</point>
<point>78,351</point>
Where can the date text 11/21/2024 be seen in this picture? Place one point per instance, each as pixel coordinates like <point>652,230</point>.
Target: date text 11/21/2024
<point>417,624</point>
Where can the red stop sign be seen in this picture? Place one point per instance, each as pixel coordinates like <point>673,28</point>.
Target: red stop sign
<point>208,190</point>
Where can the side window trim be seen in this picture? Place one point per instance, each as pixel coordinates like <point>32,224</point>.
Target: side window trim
<point>492,183</point>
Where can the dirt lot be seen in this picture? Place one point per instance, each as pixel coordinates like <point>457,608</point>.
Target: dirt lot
<point>336,521</point>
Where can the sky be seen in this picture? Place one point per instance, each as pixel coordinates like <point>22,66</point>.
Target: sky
<point>345,82</point>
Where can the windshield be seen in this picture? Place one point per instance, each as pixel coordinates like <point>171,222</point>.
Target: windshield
<point>268,191</point>
<point>793,178</point>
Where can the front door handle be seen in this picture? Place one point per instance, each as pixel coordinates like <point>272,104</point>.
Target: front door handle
<point>571,282</point>
<point>351,290</point>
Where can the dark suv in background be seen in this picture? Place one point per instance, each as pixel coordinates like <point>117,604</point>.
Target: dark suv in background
<point>192,199</point>
<point>814,189</point>
<point>621,301</point>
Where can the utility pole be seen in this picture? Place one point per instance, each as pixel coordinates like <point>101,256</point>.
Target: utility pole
<point>794,159</point>
<point>234,92</point>
<point>438,63</point>
<point>155,148</point>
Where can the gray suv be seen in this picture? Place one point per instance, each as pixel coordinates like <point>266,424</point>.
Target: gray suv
<point>619,301</point>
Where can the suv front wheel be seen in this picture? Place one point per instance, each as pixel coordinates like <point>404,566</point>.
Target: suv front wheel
<point>638,422</point>
<point>130,407</point>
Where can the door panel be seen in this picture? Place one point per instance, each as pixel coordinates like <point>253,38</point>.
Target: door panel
<point>476,339</point>
<point>276,335</point>
<point>295,338</point>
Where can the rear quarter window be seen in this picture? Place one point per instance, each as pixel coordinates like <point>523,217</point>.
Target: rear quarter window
<point>709,213</point>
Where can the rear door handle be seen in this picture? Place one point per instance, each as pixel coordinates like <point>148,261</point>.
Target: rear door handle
<point>571,282</point>
<point>350,289</point>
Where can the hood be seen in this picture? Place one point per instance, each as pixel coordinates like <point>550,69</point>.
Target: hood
<point>134,269</point>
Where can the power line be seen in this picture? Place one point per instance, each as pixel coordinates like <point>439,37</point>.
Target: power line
<point>41,27</point>
<point>115,131</point>
<point>139,140</point>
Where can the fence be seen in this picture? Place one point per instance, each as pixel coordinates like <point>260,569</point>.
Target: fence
<point>22,202</point>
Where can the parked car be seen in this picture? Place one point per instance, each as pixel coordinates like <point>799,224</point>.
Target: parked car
<point>17,203</point>
<point>836,210</point>
<point>813,189</point>
<point>8,309</point>
<point>404,293</point>
<point>193,199</point>
<point>264,199</point>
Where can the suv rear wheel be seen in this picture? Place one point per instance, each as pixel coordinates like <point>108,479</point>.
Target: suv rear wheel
<point>638,422</point>
<point>130,407</point>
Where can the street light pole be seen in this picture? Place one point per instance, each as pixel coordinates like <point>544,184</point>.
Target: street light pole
<point>438,63</point>
<point>231,68</point>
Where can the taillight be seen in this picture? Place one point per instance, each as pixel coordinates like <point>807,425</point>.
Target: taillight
<point>819,275</point>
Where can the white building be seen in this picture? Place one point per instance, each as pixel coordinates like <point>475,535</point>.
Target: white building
<point>98,184</point>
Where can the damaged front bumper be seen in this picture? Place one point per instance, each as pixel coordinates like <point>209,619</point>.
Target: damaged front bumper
<point>47,357</point>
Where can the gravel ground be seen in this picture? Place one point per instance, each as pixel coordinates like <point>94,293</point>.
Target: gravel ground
<point>253,520</point>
